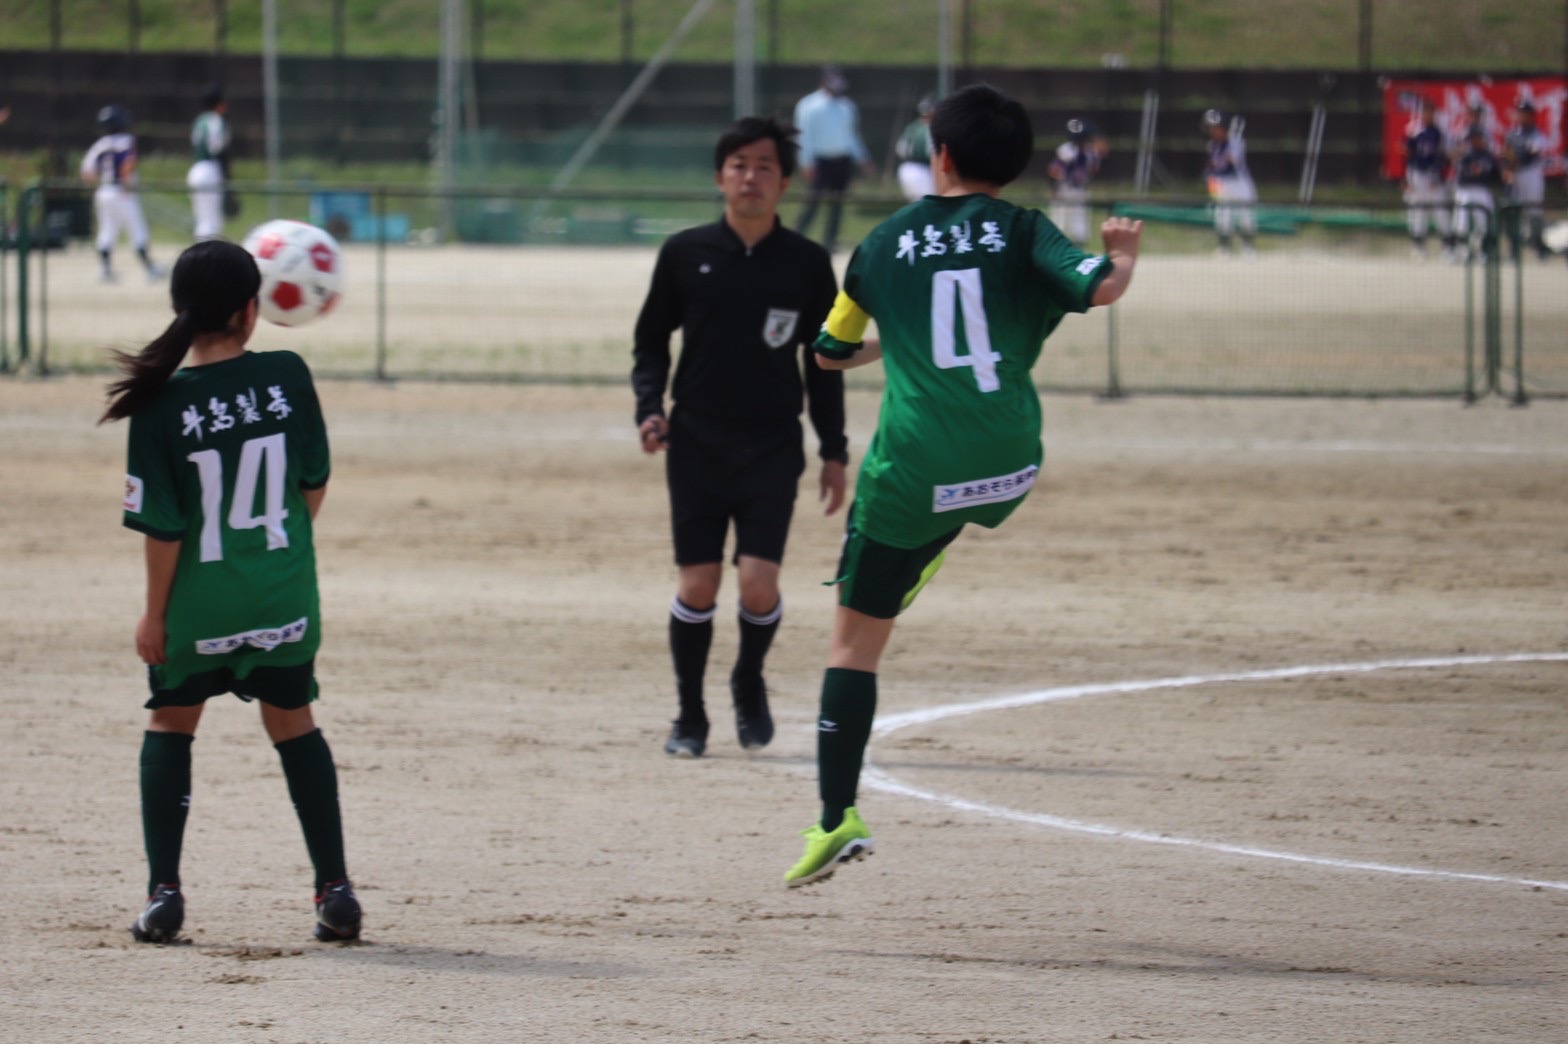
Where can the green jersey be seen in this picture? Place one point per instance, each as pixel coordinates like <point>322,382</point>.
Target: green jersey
<point>914,145</point>
<point>220,461</point>
<point>209,136</point>
<point>964,290</point>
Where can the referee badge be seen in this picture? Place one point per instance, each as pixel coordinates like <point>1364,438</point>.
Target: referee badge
<point>779,328</point>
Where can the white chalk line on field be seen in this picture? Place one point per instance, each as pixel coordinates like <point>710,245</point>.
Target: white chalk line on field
<point>881,780</point>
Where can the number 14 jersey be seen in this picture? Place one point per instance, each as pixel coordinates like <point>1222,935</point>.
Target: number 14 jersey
<point>220,461</point>
<point>964,291</point>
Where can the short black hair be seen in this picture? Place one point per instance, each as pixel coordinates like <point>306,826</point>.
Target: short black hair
<point>749,129</point>
<point>987,133</point>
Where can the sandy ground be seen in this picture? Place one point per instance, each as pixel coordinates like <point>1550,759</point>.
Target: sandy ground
<point>1105,806</point>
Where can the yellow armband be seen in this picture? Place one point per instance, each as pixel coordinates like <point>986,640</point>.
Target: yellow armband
<point>844,331</point>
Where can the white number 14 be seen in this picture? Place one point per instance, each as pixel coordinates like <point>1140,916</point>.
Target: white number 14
<point>255,454</point>
<point>962,288</point>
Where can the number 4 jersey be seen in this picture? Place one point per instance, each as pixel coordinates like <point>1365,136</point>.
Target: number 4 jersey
<point>964,290</point>
<point>220,462</point>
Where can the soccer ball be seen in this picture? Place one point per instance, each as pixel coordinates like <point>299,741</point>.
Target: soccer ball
<point>301,271</point>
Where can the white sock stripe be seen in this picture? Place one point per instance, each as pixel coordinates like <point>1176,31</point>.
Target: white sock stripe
<point>686,614</point>
<point>770,617</point>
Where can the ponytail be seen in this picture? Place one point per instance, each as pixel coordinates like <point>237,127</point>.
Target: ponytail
<point>147,371</point>
<point>212,283</point>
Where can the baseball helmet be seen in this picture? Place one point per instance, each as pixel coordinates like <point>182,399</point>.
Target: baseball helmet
<point>1080,130</point>
<point>1525,107</point>
<point>1214,118</point>
<point>113,119</point>
<point>926,106</point>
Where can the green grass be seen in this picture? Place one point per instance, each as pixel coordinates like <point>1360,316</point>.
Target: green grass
<point>1491,35</point>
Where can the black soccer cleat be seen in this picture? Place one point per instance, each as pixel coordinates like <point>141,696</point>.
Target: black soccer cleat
<point>687,740</point>
<point>160,921</point>
<point>337,913</point>
<point>753,720</point>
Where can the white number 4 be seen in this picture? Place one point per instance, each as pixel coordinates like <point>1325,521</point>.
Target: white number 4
<point>962,288</point>
<point>255,454</point>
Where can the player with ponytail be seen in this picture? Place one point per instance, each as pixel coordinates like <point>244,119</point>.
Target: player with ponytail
<point>228,466</point>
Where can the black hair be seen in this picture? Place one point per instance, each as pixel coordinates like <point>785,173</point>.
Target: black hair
<point>211,284</point>
<point>986,132</point>
<point>211,98</point>
<point>749,129</point>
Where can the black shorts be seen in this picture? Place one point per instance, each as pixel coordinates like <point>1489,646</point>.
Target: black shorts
<point>720,470</point>
<point>880,580</point>
<point>286,688</point>
<point>833,173</point>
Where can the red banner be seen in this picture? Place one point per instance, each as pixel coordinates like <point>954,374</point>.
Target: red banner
<point>1456,98</point>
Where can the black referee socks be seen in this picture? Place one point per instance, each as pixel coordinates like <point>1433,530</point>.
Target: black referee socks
<point>691,634</point>
<point>756,637</point>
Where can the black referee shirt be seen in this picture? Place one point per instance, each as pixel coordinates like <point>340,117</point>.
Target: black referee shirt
<point>747,318</point>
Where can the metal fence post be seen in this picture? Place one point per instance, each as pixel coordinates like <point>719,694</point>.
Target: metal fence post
<point>1519,397</point>
<point>1470,395</point>
<point>1494,305</point>
<point>5,295</point>
<point>24,243</point>
<point>1113,366</point>
<point>381,282</point>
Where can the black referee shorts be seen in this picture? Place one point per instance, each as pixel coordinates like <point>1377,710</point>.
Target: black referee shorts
<point>721,470</point>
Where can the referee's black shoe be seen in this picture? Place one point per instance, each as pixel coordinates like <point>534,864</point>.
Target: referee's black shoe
<point>163,916</point>
<point>753,721</point>
<point>337,913</point>
<point>687,739</point>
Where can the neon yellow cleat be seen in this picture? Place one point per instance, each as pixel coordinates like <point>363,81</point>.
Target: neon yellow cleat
<point>825,852</point>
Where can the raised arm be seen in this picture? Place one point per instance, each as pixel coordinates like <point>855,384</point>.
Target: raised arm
<point>1121,250</point>
<point>841,344</point>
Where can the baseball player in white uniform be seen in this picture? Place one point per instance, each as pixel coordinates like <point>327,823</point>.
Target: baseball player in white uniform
<point>1075,164</point>
<point>1524,158</point>
<point>1426,184</point>
<point>111,165</point>
<point>1230,183</point>
<point>207,177</point>
<point>1477,174</point>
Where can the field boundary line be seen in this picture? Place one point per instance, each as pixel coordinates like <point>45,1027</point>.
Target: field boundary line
<point>879,779</point>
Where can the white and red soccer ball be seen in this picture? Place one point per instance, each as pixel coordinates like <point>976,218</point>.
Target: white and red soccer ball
<point>301,270</point>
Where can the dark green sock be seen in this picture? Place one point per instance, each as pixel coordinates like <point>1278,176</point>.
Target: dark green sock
<point>166,800</point>
<point>313,787</point>
<point>849,703</point>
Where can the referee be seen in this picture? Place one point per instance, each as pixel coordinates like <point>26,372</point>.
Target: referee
<point>748,296</point>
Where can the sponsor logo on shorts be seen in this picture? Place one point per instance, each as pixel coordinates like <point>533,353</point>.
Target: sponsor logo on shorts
<point>262,638</point>
<point>133,494</point>
<point>779,327</point>
<point>983,491</point>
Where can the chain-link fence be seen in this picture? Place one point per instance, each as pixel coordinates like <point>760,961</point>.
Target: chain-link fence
<point>529,286</point>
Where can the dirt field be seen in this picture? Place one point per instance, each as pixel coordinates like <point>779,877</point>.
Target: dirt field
<point>1105,807</point>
